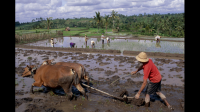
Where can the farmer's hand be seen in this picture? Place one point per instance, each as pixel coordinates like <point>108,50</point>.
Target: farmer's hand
<point>133,72</point>
<point>137,96</point>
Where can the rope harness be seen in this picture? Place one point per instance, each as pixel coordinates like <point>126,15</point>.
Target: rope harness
<point>31,71</point>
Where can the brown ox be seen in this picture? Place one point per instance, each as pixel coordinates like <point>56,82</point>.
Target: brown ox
<point>55,76</point>
<point>78,67</point>
<point>28,70</point>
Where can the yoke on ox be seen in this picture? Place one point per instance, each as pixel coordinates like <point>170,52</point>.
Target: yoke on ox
<point>54,76</point>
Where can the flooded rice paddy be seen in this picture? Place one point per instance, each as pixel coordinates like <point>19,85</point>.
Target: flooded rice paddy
<point>116,44</point>
<point>103,70</point>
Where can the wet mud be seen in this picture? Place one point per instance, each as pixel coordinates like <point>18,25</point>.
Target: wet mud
<point>103,70</point>
<point>116,52</point>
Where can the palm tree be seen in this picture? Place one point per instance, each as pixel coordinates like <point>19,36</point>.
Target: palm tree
<point>49,22</point>
<point>98,19</point>
<point>114,16</point>
<point>106,21</point>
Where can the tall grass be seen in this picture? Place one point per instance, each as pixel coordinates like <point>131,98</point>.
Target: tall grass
<point>26,38</point>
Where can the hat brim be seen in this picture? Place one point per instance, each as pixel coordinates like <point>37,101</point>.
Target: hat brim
<point>142,60</point>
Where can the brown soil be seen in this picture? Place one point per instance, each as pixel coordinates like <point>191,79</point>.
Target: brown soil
<point>102,74</point>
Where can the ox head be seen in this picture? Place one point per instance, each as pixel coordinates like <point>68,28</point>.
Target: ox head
<point>85,75</point>
<point>29,70</point>
<point>49,62</point>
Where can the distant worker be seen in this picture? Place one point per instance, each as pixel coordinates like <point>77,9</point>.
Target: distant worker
<point>86,39</point>
<point>72,44</point>
<point>157,38</point>
<point>108,40</point>
<point>52,42</point>
<point>92,43</point>
<point>102,38</point>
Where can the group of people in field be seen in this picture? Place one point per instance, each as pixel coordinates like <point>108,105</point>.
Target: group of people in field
<point>93,42</point>
<point>86,39</point>
<point>157,38</point>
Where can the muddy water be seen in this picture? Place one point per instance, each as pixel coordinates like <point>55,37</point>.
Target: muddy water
<point>103,69</point>
<point>117,44</point>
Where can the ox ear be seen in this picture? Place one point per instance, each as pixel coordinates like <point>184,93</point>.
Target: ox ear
<point>27,66</point>
<point>73,71</point>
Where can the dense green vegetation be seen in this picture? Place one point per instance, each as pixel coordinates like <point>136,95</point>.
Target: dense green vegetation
<point>171,25</point>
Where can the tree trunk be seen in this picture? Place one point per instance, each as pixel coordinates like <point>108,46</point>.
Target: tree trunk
<point>113,23</point>
<point>98,28</point>
<point>106,29</point>
<point>48,27</point>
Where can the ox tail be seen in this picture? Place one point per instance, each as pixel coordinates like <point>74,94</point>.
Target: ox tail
<point>75,78</point>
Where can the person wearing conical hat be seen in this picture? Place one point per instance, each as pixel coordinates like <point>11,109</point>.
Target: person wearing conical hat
<point>86,39</point>
<point>150,72</point>
<point>92,43</point>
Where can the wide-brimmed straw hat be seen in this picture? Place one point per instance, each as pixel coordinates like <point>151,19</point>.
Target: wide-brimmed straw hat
<point>85,34</point>
<point>142,57</point>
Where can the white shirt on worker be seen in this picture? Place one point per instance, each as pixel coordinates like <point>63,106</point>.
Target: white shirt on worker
<point>92,41</point>
<point>51,41</point>
<point>102,37</point>
<point>157,37</point>
<point>107,38</point>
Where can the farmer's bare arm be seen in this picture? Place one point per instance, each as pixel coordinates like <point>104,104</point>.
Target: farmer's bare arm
<point>140,68</point>
<point>143,85</point>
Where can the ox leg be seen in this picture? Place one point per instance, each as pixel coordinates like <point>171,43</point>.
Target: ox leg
<point>38,84</point>
<point>80,88</point>
<point>67,88</point>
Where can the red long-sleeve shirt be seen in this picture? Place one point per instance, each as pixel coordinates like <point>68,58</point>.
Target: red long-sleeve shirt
<point>150,71</point>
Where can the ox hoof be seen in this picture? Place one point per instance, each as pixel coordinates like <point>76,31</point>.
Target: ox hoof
<point>86,97</point>
<point>70,98</point>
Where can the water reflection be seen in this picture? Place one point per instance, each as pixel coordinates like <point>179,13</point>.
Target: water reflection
<point>117,44</point>
<point>158,45</point>
<point>108,44</point>
<point>102,46</point>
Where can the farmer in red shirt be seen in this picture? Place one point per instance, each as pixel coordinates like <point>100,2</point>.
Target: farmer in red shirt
<point>150,72</point>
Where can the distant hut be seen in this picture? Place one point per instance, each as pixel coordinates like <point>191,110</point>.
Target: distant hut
<point>117,29</point>
<point>75,26</point>
<point>67,29</point>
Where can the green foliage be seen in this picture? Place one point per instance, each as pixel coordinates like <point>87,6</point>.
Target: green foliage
<point>83,98</point>
<point>74,107</point>
<point>102,31</point>
<point>29,58</point>
<point>171,25</point>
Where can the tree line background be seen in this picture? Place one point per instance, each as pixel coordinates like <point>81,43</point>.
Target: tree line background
<point>171,25</point>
